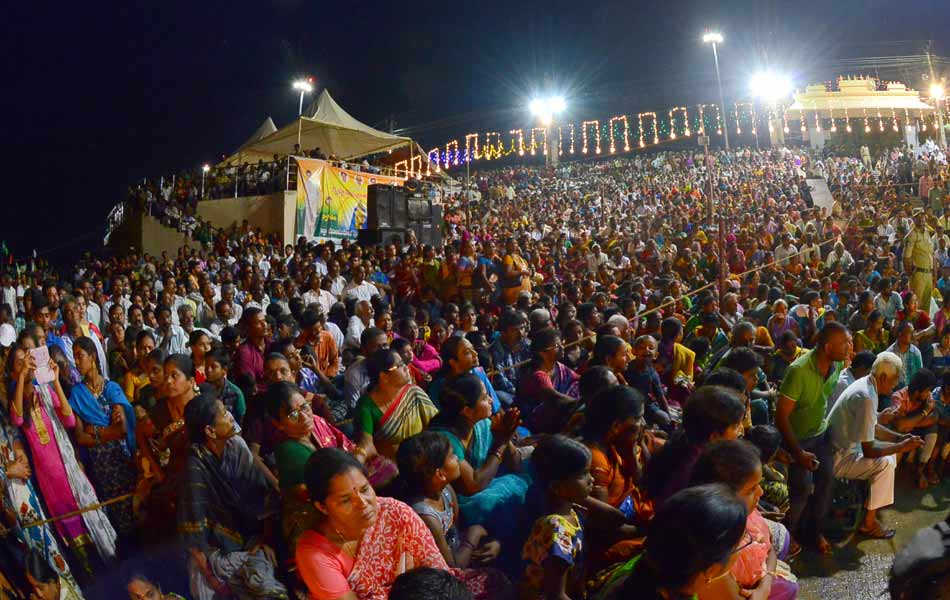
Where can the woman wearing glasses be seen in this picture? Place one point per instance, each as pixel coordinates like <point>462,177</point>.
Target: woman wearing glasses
<point>392,409</point>
<point>757,571</point>
<point>303,432</point>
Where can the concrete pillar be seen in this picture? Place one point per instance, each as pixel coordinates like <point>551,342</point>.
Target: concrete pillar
<point>777,133</point>
<point>910,136</point>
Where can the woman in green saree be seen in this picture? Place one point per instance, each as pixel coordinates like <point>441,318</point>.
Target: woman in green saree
<point>392,409</point>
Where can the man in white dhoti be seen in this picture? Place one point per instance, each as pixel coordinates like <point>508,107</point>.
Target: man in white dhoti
<point>865,449</point>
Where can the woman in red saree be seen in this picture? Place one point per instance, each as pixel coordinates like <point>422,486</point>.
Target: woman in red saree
<point>362,542</point>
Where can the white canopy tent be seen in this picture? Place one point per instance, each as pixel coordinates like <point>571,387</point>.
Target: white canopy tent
<point>327,127</point>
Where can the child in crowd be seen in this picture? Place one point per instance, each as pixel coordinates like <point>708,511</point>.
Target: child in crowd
<point>941,396</point>
<point>552,552</point>
<point>217,364</point>
<point>642,376</point>
<point>404,348</point>
<point>941,354</point>
<point>427,468</point>
<point>151,393</point>
<point>767,440</point>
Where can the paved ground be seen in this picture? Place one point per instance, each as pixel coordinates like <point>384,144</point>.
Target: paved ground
<point>858,570</point>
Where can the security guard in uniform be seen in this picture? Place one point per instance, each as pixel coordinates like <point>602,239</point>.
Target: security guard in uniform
<point>919,260</point>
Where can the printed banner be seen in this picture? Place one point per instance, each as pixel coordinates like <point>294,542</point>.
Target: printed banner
<point>331,202</point>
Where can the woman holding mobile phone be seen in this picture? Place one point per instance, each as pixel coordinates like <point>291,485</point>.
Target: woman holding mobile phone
<point>42,413</point>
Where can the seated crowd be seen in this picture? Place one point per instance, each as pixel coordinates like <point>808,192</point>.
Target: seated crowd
<point>555,403</point>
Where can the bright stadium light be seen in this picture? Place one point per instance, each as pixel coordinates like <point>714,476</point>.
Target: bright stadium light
<point>304,85</point>
<point>936,91</point>
<point>770,86</point>
<point>712,37</point>
<point>547,108</point>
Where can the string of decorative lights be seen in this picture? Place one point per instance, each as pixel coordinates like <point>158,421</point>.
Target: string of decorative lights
<point>679,121</point>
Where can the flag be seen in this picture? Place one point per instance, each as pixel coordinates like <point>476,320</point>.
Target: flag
<point>3,247</point>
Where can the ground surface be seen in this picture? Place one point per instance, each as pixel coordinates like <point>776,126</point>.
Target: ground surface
<point>859,570</point>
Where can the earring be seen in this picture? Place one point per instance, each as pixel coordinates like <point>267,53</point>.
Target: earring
<point>197,389</point>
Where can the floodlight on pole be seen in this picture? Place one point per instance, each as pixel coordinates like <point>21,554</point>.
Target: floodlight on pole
<point>204,171</point>
<point>305,86</point>
<point>546,110</point>
<point>770,86</point>
<point>715,38</point>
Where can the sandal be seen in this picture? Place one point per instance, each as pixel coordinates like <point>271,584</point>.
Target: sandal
<point>877,532</point>
<point>794,549</point>
<point>932,477</point>
<point>824,546</point>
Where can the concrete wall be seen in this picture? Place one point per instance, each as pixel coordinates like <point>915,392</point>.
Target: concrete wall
<point>146,234</point>
<point>272,213</point>
<point>157,238</point>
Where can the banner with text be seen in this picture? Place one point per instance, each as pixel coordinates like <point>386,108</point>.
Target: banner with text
<point>331,202</point>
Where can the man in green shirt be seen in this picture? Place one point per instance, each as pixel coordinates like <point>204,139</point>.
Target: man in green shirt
<point>800,417</point>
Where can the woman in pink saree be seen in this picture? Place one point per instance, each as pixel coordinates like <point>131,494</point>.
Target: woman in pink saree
<point>362,542</point>
<point>42,413</point>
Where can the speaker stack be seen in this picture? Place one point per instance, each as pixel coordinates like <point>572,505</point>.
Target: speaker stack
<point>392,211</point>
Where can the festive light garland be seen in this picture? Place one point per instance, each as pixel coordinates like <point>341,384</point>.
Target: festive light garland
<point>454,144</point>
<point>685,112</point>
<point>677,122</point>
<point>584,126</point>
<point>544,132</point>
<point>520,136</point>
<point>626,133</point>
<point>656,133</point>
<point>468,139</point>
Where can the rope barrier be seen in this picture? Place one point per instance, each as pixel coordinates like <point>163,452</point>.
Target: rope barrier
<point>78,512</point>
<point>663,305</point>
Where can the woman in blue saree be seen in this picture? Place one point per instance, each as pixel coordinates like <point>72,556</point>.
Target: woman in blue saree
<point>483,445</point>
<point>105,427</point>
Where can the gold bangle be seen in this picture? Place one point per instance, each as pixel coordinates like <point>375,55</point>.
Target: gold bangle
<point>359,451</point>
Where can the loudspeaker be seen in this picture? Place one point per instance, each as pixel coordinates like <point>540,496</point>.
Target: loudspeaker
<point>385,206</point>
<point>419,210</point>
<point>381,236</point>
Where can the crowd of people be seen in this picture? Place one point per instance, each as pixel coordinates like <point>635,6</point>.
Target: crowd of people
<point>558,402</point>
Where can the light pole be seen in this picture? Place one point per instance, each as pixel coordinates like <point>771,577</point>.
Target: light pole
<point>771,87</point>
<point>715,38</point>
<point>305,86</point>
<point>937,95</point>
<point>546,110</point>
<point>204,171</point>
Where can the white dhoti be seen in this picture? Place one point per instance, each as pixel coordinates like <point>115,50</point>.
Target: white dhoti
<point>880,472</point>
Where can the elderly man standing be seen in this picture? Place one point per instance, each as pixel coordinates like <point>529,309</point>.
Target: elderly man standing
<point>865,449</point>
<point>919,260</point>
<point>800,417</point>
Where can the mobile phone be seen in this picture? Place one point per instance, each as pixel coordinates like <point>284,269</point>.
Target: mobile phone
<point>43,373</point>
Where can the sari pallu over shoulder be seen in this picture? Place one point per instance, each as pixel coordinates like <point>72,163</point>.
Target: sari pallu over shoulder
<point>98,525</point>
<point>408,415</point>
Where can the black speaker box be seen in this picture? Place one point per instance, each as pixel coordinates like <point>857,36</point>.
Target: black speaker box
<point>382,236</point>
<point>385,207</point>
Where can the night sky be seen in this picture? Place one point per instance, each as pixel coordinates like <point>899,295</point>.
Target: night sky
<point>96,95</point>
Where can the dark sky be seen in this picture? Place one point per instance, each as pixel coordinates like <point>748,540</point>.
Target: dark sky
<point>98,94</point>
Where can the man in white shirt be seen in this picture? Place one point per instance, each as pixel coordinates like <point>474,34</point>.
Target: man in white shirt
<point>318,295</point>
<point>170,337</point>
<point>359,288</point>
<point>865,449</point>
<point>839,255</point>
<point>785,250</point>
<point>358,323</point>
<point>337,281</point>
